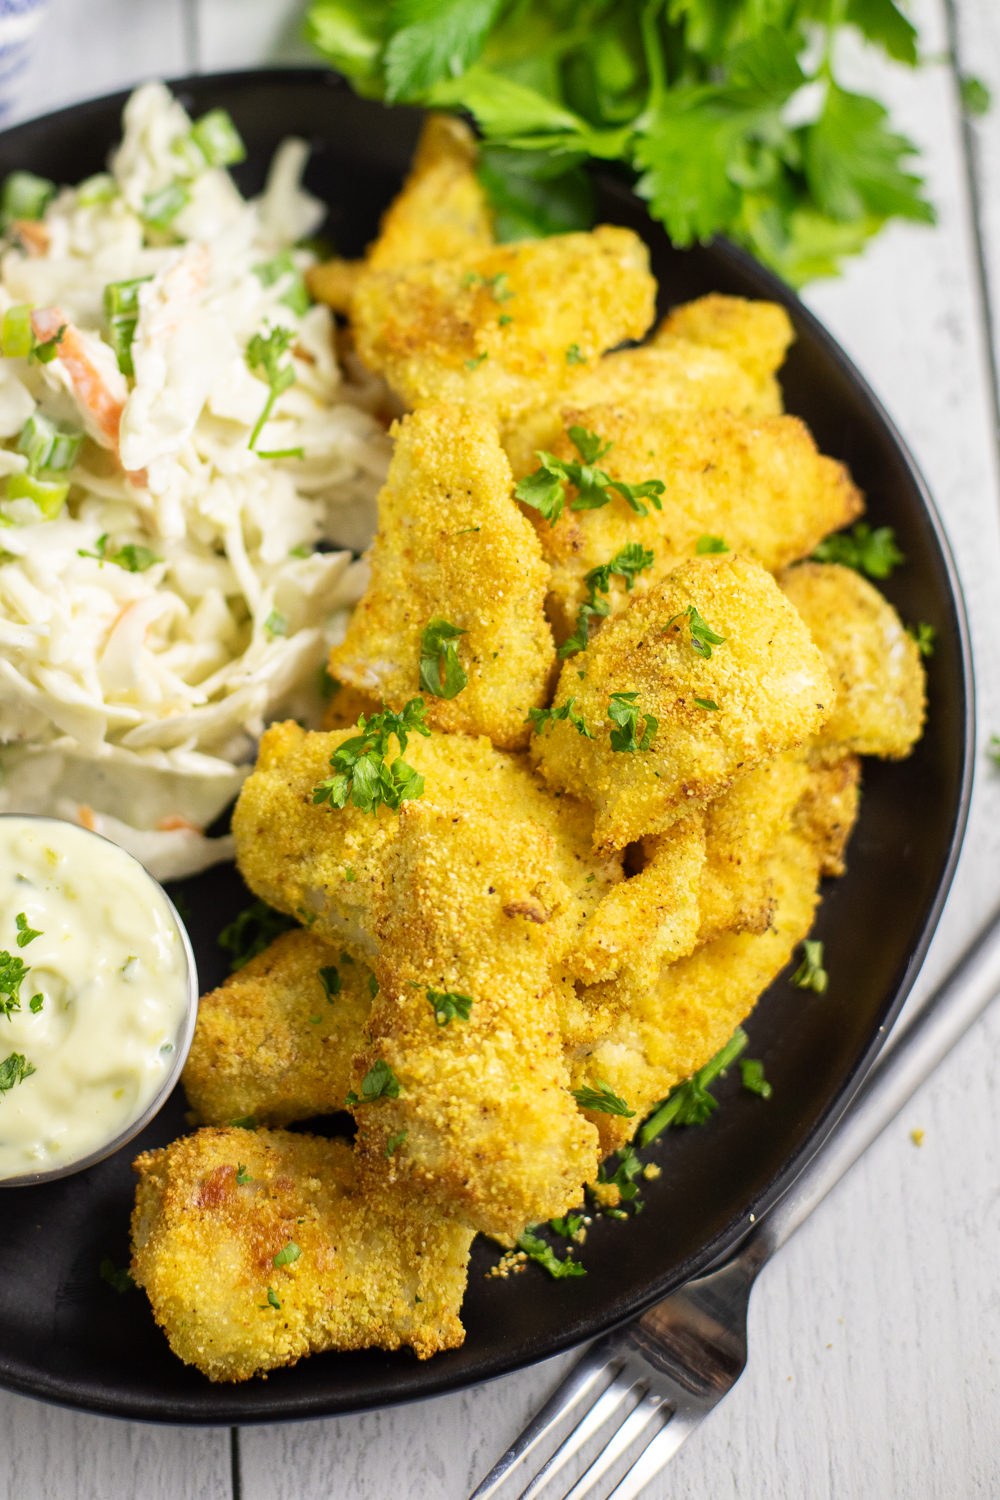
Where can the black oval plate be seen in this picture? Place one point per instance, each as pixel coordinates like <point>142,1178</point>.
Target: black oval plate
<point>67,1336</point>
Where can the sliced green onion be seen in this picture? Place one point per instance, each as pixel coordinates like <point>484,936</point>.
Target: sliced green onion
<point>37,437</point>
<point>48,494</point>
<point>24,196</point>
<point>161,209</point>
<point>270,271</point>
<point>276,624</point>
<point>121,333</point>
<point>16,335</point>
<point>100,188</point>
<point>65,447</point>
<point>123,297</point>
<point>218,139</point>
<point>190,156</point>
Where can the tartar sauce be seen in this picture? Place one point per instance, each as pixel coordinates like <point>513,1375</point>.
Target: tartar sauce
<point>94,993</point>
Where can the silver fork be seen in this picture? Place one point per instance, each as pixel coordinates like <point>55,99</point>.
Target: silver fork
<point>672,1365</point>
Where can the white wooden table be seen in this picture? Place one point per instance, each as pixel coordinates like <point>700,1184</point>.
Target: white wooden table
<point>874,1337</point>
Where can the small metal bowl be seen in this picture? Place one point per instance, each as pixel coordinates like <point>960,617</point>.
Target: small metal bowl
<point>182,1043</point>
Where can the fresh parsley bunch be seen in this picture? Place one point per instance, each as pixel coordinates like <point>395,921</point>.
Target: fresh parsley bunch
<point>727,113</point>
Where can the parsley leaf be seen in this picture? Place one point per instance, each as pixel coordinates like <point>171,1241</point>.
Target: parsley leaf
<point>539,717</point>
<point>690,1103</point>
<point>624,711</point>
<point>449,1005</point>
<point>361,773</point>
<point>536,1249</point>
<point>13,1070</point>
<point>627,562</point>
<point>753,1077</point>
<point>331,981</point>
<point>35,1004</point>
<point>703,637</point>
<point>441,672</point>
<point>380,1082</point>
<point>707,544</point>
<point>602,1099</point>
<point>623,1178</point>
<point>976,98</point>
<point>288,1256</point>
<point>543,490</point>
<point>866,551</point>
<point>574,357</point>
<point>568,1226</point>
<point>923,634</point>
<point>272,1301</point>
<point>266,354</point>
<point>25,934</point>
<point>242,1175</point>
<point>708,703</point>
<point>251,931</point>
<point>12,972</point>
<point>810,974</point>
<point>852,162</point>
<point>120,1280</point>
<point>132,557</point>
<point>433,39</point>
<point>244,1122</point>
<point>395,1141</point>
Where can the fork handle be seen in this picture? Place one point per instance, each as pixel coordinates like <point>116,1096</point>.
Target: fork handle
<point>892,1082</point>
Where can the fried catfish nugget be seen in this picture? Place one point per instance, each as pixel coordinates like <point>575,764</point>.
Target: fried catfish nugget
<point>760,486</point>
<point>442,210</point>
<point>827,811</point>
<point>499,330</point>
<point>256,1248</point>
<point>695,1005</point>
<point>324,862</point>
<point>702,713</point>
<point>874,663</point>
<point>463,1093</point>
<point>276,1040</point>
<point>756,334</point>
<point>453,547</point>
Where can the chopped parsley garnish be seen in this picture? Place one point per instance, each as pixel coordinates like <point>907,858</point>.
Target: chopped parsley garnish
<point>623,710</point>
<point>602,1099</point>
<point>628,561</point>
<point>690,1103</point>
<point>395,1141</point>
<point>12,972</point>
<point>623,1178</point>
<point>441,672</point>
<point>810,974</point>
<point>924,635</point>
<point>272,1301</point>
<point>473,364</point>
<point>331,981</point>
<point>864,550</point>
<point>242,1175</point>
<point>266,354</point>
<point>707,703</point>
<point>132,557</point>
<point>349,875</point>
<point>295,295</point>
<point>25,934</point>
<point>536,1249</point>
<point>567,1227</point>
<point>574,357</point>
<point>543,490</point>
<point>703,637</point>
<point>288,1255</point>
<point>380,1082</point>
<point>120,1280</point>
<point>753,1077</point>
<point>539,717</point>
<point>361,773</point>
<point>253,930</point>
<point>372,986</point>
<point>449,1005</point>
<point>315,1020</point>
<point>244,1122</point>
<point>13,1070</point>
<point>707,544</point>
<point>37,1001</point>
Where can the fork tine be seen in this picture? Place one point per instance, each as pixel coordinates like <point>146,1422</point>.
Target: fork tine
<point>636,1422</point>
<point>577,1384</point>
<point>584,1430</point>
<point>651,1460</point>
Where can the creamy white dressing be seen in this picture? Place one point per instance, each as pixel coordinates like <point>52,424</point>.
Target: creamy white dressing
<point>111,968</point>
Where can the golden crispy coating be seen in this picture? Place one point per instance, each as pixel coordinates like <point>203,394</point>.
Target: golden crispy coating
<point>372,1272</point>
<point>757,334</point>
<point>759,485</point>
<point>452,545</point>
<point>767,680</point>
<point>828,809</point>
<point>873,662</point>
<point>499,329</point>
<point>741,829</point>
<point>333,282</point>
<point>347,705</point>
<point>676,377</point>
<point>300,857</point>
<point>441,210</point>
<point>472,907</point>
<point>695,1005</point>
<point>644,922</point>
<point>272,1043</point>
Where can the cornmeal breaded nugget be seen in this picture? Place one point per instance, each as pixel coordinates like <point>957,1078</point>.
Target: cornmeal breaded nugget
<point>333,282</point>
<point>828,808</point>
<point>347,705</point>
<point>763,690</point>
<point>679,376</point>
<point>759,485</point>
<point>452,545</point>
<point>326,862</point>
<point>442,210</point>
<point>757,334</point>
<point>471,916</point>
<point>695,1005</point>
<point>873,662</point>
<point>500,329</point>
<point>370,1273</point>
<point>741,829</point>
<point>274,1041</point>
